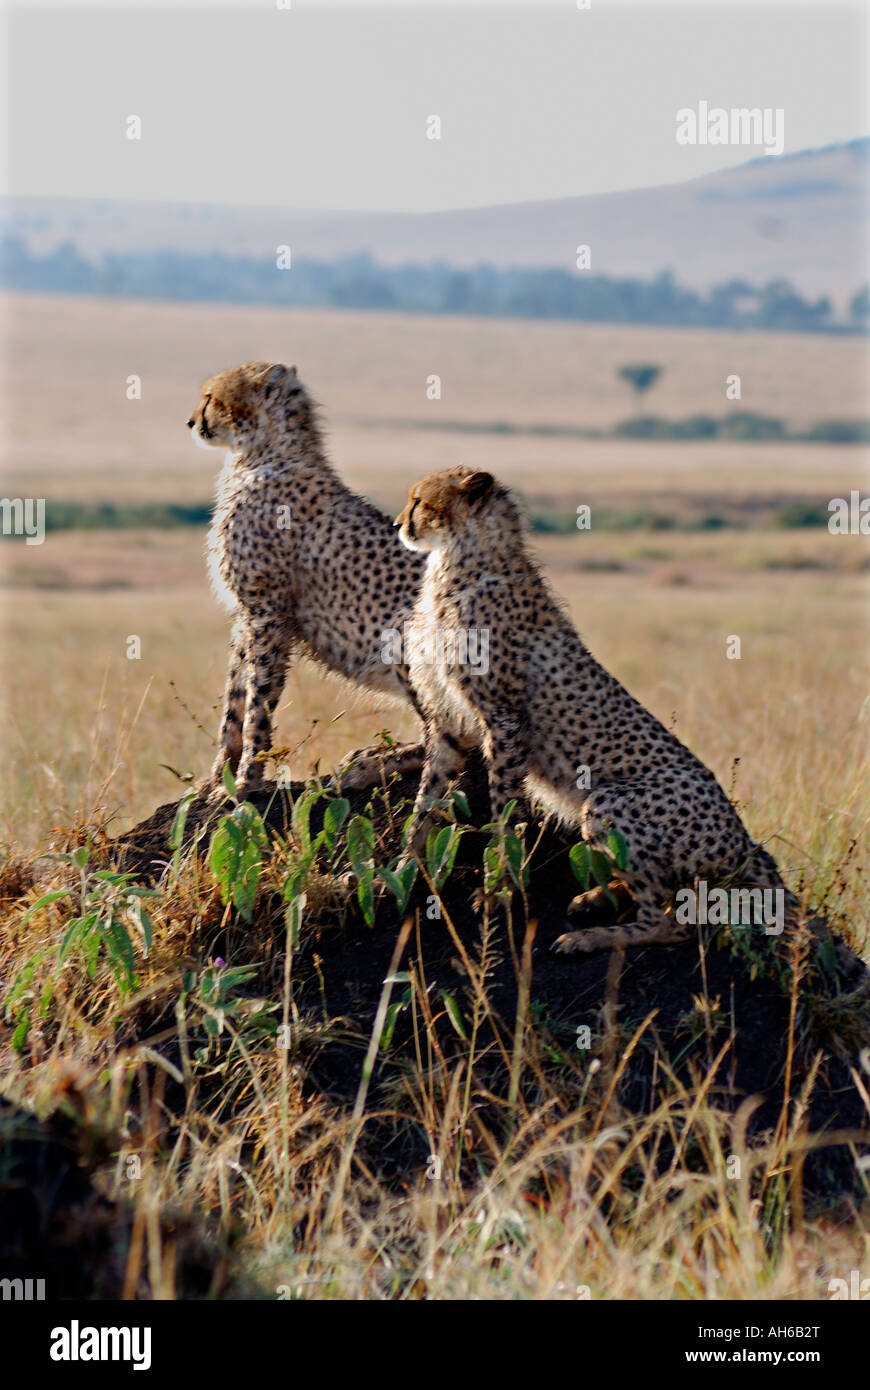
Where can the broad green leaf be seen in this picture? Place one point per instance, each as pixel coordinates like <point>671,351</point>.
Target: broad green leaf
<point>142,921</point>
<point>401,883</point>
<point>514,854</point>
<point>454,1013</point>
<point>176,834</point>
<point>828,958</point>
<point>579,858</point>
<point>74,931</point>
<point>360,852</point>
<point>301,818</point>
<point>390,1024</point>
<point>602,872</point>
<point>91,950</point>
<point>334,818</point>
<point>120,949</point>
<point>618,849</point>
<point>441,848</point>
<point>46,898</point>
<point>251,822</point>
<point>491,867</point>
<point>366,899</point>
<point>361,845</point>
<point>293,917</point>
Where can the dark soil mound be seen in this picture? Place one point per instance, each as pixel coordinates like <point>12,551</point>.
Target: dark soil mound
<point>341,965</point>
<point>56,1226</point>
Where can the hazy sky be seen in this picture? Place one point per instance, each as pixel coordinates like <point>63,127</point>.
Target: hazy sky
<point>325,105</point>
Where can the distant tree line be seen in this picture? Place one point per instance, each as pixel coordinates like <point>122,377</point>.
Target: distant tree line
<point>359,282</point>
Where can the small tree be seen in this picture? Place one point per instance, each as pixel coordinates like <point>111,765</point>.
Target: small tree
<point>640,376</point>
<point>859,308</point>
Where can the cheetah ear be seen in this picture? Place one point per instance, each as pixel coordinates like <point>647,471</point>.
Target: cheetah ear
<point>273,377</point>
<point>477,486</point>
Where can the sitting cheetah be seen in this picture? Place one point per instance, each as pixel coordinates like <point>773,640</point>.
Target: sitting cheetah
<point>542,709</point>
<point>306,565</point>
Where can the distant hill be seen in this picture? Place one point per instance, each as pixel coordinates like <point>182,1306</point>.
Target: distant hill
<point>803,217</point>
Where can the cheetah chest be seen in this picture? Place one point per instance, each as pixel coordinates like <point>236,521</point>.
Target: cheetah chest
<point>438,663</point>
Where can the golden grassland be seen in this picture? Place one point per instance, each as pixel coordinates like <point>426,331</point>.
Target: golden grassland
<point>88,730</point>
<point>70,431</point>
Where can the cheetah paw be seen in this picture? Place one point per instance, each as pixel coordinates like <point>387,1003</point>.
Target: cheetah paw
<point>572,942</point>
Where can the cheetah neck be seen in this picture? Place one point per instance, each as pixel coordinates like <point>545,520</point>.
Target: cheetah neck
<point>493,547</point>
<point>266,457</point>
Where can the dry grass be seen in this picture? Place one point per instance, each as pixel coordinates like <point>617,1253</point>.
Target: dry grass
<point>554,1191</point>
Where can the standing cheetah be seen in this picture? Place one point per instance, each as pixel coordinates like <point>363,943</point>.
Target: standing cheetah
<point>304,564</point>
<point>545,709</point>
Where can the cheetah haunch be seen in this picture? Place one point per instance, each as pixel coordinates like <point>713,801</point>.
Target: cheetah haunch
<point>543,711</point>
<point>306,566</point>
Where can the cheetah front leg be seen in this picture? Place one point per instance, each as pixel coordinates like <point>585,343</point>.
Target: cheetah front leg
<point>265,673</point>
<point>230,737</point>
<point>444,760</point>
<point>505,753</point>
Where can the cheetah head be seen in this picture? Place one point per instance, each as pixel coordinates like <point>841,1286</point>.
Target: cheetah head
<point>245,402</point>
<point>443,505</point>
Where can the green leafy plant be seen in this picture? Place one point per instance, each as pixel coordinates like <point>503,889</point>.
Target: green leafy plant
<point>400,883</point>
<point>305,848</point>
<point>179,824</point>
<point>454,1013</point>
<point>441,848</point>
<point>395,1008</point>
<point>214,994</point>
<point>361,853</point>
<point>235,857</point>
<point>505,865</point>
<point>599,865</point>
<point>111,916</point>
